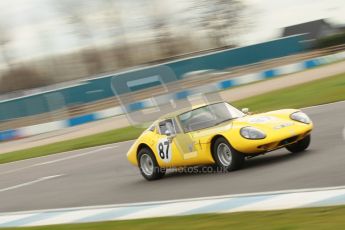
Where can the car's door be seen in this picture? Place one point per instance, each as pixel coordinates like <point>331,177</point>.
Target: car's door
<point>174,148</point>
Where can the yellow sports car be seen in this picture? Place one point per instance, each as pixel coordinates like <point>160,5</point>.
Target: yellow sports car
<point>217,134</point>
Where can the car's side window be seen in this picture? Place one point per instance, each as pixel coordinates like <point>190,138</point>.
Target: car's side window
<point>167,125</point>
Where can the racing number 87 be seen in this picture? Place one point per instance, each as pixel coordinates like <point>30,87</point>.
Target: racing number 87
<point>164,153</point>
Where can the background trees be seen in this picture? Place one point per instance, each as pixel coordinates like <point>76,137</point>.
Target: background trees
<point>222,20</point>
<point>116,34</point>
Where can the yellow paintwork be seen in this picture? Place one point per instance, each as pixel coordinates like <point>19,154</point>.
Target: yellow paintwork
<point>277,125</point>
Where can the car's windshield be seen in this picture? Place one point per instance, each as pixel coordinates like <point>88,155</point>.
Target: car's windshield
<point>208,116</point>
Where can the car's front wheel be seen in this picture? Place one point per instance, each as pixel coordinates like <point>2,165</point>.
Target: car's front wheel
<point>300,145</point>
<point>148,165</point>
<point>225,156</point>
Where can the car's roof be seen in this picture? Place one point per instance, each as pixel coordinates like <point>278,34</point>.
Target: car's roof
<point>180,111</point>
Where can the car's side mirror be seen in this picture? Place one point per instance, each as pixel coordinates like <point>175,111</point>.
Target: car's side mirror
<point>245,110</point>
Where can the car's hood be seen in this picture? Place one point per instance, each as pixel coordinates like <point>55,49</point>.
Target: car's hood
<point>270,120</point>
<point>266,122</point>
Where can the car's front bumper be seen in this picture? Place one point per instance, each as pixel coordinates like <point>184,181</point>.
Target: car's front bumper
<point>274,140</point>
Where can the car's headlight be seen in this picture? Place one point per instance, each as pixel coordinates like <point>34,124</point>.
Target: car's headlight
<point>301,117</point>
<point>252,133</point>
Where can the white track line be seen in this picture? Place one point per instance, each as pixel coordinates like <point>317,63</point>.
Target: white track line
<point>279,192</point>
<point>67,217</point>
<point>59,160</point>
<point>6,219</point>
<point>323,105</point>
<point>73,156</point>
<point>274,201</point>
<point>30,183</point>
<point>113,145</point>
<point>168,209</point>
<point>289,200</point>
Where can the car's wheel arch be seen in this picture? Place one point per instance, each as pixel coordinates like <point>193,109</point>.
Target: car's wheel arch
<point>237,157</point>
<point>213,140</point>
<point>156,174</point>
<point>143,146</point>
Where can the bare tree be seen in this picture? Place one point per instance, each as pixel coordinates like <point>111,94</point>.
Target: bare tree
<point>21,78</point>
<point>163,36</point>
<point>116,31</point>
<point>161,29</point>
<point>75,13</point>
<point>4,40</point>
<point>221,19</point>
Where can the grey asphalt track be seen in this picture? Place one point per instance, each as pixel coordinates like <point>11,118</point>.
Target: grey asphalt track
<point>102,175</point>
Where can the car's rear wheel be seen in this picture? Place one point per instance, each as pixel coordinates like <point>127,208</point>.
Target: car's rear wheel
<point>225,156</point>
<point>299,146</point>
<point>148,165</point>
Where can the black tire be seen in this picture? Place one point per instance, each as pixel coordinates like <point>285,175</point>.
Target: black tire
<point>237,159</point>
<point>157,172</point>
<point>300,145</point>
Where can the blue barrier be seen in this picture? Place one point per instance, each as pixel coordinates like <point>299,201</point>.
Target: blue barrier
<point>136,106</point>
<point>8,135</point>
<point>226,84</point>
<point>269,73</point>
<point>100,88</point>
<point>277,72</point>
<point>182,95</point>
<point>81,120</point>
<point>311,63</point>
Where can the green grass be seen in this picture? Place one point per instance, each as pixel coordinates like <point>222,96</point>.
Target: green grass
<point>118,135</point>
<point>325,218</point>
<point>313,93</point>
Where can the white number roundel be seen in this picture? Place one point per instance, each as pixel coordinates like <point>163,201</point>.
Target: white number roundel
<point>164,149</point>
